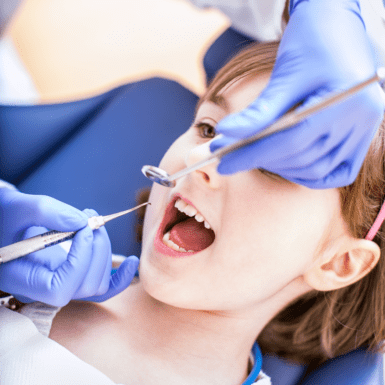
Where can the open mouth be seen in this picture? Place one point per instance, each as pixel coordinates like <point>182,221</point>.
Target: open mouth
<point>184,229</point>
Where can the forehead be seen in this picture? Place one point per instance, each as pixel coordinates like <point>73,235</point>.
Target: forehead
<point>238,94</point>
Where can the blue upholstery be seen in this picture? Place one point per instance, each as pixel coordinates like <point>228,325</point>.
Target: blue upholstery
<point>355,368</point>
<point>89,154</point>
<point>282,372</point>
<point>226,46</point>
<point>98,147</point>
<point>38,131</point>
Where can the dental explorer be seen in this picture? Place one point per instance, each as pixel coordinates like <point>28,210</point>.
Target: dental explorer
<point>51,238</point>
<point>160,176</point>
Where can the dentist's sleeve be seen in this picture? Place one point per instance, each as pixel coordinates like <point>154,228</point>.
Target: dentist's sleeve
<point>258,19</point>
<point>28,357</point>
<point>373,13</point>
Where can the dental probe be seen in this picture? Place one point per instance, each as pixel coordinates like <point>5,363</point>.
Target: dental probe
<point>51,238</point>
<point>160,176</point>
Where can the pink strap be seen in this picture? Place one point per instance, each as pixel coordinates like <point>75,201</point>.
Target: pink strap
<point>377,223</point>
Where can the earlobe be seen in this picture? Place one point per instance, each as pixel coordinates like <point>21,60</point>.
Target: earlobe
<point>346,266</point>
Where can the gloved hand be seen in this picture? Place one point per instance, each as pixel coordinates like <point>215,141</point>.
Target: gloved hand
<point>324,49</point>
<point>51,275</point>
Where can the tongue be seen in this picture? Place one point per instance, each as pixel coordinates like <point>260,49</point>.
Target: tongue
<point>192,235</point>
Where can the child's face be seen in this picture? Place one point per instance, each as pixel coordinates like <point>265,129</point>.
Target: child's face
<point>267,230</point>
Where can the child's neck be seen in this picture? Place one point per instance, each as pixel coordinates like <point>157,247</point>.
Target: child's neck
<point>137,340</point>
<point>177,346</point>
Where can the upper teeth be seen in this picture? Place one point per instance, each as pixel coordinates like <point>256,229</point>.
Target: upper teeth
<point>191,211</point>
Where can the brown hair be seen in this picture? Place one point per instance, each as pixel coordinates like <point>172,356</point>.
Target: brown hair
<point>322,325</point>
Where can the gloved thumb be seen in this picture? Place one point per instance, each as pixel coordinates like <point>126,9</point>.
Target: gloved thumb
<point>120,280</point>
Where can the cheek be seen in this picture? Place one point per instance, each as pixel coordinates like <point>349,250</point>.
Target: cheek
<point>277,232</point>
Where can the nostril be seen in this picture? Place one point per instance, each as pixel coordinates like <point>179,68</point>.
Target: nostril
<point>205,176</point>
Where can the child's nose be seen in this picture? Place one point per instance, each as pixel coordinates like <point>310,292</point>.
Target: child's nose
<point>207,175</point>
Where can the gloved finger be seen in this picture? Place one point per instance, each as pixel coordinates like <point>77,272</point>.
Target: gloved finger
<point>35,281</point>
<point>319,168</point>
<point>98,275</point>
<point>31,274</point>
<point>336,169</point>
<point>23,273</point>
<point>105,281</point>
<point>90,213</point>
<point>50,257</point>
<point>220,141</point>
<point>343,175</point>
<point>340,176</point>
<point>119,281</point>
<point>331,146</point>
<point>67,279</point>
<point>23,299</point>
<point>273,149</point>
<point>350,151</point>
<point>40,210</point>
<point>93,278</point>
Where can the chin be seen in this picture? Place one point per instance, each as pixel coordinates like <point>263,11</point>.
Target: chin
<point>163,288</point>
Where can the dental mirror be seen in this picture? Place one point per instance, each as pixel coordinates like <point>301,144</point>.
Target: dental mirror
<point>157,175</point>
<point>288,120</point>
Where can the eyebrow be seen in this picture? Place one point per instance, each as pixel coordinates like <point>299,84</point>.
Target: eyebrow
<point>220,101</point>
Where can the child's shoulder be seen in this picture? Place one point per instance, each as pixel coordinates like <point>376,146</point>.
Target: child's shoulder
<point>96,333</point>
<point>77,324</point>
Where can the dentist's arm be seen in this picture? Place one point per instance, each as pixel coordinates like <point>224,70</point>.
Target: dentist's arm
<point>324,49</point>
<point>51,275</point>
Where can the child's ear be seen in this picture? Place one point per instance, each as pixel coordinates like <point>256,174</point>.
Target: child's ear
<point>355,259</point>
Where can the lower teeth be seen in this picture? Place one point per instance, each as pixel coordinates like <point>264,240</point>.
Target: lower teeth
<point>168,242</point>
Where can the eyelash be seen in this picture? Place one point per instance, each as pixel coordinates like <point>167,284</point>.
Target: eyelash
<point>270,174</point>
<point>202,130</point>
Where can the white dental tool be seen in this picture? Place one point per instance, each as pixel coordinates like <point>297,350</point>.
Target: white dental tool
<point>51,238</point>
<point>160,176</point>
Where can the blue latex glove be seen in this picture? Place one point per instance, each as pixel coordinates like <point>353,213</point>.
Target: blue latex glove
<point>51,275</point>
<point>324,49</point>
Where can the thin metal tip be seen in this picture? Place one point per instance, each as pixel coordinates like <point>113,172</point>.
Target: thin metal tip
<point>142,204</point>
<point>108,218</point>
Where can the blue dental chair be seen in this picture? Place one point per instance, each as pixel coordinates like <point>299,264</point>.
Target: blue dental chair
<point>89,153</point>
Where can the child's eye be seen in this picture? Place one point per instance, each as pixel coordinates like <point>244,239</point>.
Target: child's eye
<point>270,174</point>
<point>206,130</point>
